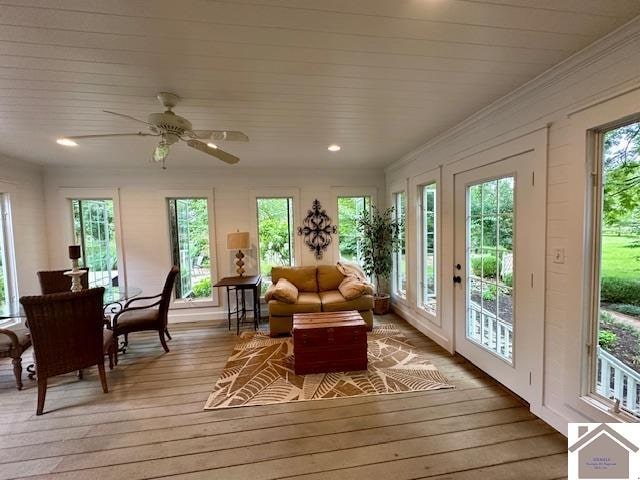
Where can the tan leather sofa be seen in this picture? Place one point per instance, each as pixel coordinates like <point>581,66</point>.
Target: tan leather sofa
<point>317,292</point>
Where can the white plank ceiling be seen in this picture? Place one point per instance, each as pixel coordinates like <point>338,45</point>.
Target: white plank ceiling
<point>378,77</point>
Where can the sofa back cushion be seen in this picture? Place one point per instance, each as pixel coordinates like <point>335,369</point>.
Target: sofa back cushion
<point>304,278</point>
<point>329,277</point>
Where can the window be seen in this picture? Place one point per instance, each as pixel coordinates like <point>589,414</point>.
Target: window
<point>94,230</point>
<point>349,209</point>
<point>616,367</point>
<point>399,255</point>
<point>275,234</point>
<point>8,290</point>
<point>190,251</point>
<point>491,261</point>
<point>427,299</point>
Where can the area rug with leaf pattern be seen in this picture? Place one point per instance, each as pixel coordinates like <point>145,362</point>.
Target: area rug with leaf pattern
<point>260,372</point>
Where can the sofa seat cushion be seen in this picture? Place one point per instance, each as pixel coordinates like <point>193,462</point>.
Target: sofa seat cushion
<point>23,339</point>
<point>333,301</point>
<point>135,320</point>
<point>304,278</point>
<point>307,303</point>
<point>329,277</point>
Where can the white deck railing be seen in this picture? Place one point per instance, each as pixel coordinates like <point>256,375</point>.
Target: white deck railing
<point>615,380</point>
<point>491,332</point>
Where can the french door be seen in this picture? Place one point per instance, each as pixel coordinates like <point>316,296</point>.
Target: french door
<point>499,255</point>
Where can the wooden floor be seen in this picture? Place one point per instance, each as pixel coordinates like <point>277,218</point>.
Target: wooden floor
<point>151,425</point>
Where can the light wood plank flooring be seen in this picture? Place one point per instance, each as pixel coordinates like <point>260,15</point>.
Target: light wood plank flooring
<point>151,424</point>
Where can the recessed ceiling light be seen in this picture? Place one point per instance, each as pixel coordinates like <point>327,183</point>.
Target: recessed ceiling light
<point>212,145</point>
<point>334,148</point>
<point>67,142</point>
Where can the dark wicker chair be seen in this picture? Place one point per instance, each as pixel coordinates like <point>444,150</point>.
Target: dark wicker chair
<point>152,316</point>
<point>55,281</point>
<point>13,343</point>
<point>68,334</point>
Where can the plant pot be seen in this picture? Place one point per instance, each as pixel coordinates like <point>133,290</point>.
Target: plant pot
<point>381,304</point>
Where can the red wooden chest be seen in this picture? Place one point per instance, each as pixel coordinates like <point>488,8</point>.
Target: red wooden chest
<point>329,342</point>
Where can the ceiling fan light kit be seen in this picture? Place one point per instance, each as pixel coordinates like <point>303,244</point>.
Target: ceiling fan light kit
<point>171,129</point>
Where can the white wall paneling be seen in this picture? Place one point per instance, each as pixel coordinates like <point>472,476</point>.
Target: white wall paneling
<point>23,182</point>
<point>144,221</point>
<point>602,78</point>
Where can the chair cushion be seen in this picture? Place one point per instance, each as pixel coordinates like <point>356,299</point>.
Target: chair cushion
<point>333,301</point>
<point>329,277</point>
<point>304,278</point>
<point>307,303</point>
<point>107,339</point>
<point>136,320</point>
<point>285,291</point>
<point>23,339</point>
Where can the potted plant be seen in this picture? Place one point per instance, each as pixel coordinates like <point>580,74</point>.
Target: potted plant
<point>380,236</point>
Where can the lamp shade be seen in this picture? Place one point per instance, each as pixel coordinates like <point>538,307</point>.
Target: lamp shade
<point>238,241</point>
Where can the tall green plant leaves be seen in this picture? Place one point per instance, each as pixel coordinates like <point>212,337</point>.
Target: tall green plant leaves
<point>380,237</point>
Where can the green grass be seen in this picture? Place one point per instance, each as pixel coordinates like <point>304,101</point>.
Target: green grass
<point>621,257</point>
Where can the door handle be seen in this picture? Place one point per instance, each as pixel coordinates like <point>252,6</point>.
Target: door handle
<point>457,279</point>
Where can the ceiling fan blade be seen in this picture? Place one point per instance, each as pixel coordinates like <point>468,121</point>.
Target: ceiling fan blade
<point>214,152</point>
<point>126,116</point>
<point>105,135</point>
<point>228,135</point>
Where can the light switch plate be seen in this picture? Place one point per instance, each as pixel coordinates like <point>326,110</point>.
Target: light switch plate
<point>558,255</point>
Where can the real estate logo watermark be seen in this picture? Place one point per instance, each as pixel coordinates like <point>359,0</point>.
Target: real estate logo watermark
<point>604,450</point>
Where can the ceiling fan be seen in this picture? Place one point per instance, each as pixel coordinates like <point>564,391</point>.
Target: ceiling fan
<point>172,128</point>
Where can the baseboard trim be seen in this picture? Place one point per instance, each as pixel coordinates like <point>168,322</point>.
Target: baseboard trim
<point>422,325</point>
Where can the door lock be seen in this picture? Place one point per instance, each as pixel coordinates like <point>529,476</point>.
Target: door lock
<point>457,279</point>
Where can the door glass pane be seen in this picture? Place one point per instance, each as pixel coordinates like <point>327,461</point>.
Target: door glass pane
<point>490,263</point>
<point>349,209</point>
<point>617,372</point>
<point>399,255</point>
<point>94,230</point>
<point>189,224</point>
<point>428,296</point>
<point>275,235</point>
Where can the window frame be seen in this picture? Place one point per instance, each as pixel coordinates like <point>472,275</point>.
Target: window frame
<point>366,198</point>
<point>395,291</point>
<point>81,193</point>
<point>273,192</point>
<point>414,235</point>
<point>595,145</point>
<point>9,251</point>
<point>195,193</point>
<point>338,192</point>
<point>585,119</point>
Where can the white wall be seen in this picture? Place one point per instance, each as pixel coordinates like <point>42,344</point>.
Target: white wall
<point>607,73</point>
<point>144,221</point>
<point>23,182</point>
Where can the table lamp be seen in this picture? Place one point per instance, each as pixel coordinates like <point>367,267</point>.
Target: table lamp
<point>239,241</point>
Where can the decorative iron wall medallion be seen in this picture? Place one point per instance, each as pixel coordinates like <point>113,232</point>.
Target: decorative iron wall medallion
<point>317,229</point>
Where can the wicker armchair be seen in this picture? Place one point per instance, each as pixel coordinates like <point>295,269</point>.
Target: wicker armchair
<point>147,317</point>
<point>67,334</point>
<point>13,343</point>
<point>55,281</point>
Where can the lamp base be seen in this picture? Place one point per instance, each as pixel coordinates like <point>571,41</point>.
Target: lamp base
<point>240,263</point>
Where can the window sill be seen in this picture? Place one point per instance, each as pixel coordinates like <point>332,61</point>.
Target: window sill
<point>182,304</point>
<point>595,409</point>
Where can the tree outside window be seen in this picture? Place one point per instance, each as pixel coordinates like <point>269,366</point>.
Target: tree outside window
<point>275,235</point>
<point>349,209</point>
